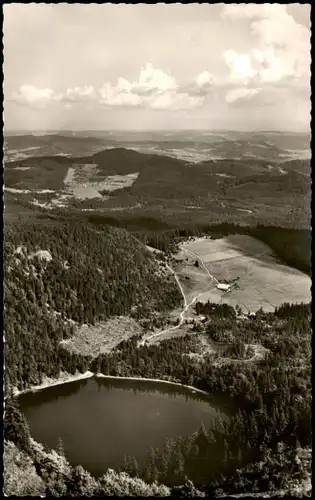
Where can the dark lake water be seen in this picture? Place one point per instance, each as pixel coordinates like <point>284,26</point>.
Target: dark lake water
<point>101,420</point>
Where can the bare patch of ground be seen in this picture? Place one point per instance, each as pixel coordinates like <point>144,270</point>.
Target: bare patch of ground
<point>166,335</point>
<point>223,175</point>
<point>245,210</point>
<point>16,191</point>
<point>153,250</point>
<point>42,255</point>
<point>114,182</point>
<point>102,338</point>
<point>257,352</point>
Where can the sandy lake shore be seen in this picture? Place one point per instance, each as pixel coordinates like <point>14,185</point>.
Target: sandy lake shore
<point>65,378</point>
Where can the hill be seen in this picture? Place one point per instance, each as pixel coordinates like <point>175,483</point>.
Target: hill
<point>59,276</point>
<point>18,147</point>
<point>241,190</point>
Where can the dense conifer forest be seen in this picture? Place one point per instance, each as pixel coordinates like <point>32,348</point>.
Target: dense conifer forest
<point>59,275</point>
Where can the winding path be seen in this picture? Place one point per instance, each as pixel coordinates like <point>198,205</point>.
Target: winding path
<point>186,304</point>
<point>259,351</point>
<point>202,262</point>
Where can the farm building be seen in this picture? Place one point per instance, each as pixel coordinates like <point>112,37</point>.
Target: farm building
<point>223,286</point>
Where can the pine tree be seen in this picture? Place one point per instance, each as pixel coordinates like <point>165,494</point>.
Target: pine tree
<point>135,467</point>
<point>15,426</point>
<point>131,466</point>
<point>60,447</point>
<point>165,460</point>
<point>179,466</point>
<point>150,466</point>
<point>225,453</point>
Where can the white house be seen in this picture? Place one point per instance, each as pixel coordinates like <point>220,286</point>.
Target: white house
<point>223,286</point>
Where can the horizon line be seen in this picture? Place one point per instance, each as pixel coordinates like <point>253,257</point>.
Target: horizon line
<point>156,130</point>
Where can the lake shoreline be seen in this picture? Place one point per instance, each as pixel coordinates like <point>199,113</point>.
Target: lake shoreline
<point>193,389</point>
<point>64,379</point>
<point>88,374</point>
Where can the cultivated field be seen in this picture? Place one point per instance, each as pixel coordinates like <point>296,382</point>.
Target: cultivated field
<point>85,182</point>
<point>260,279</point>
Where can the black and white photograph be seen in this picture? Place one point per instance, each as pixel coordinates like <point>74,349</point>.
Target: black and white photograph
<point>157,337</point>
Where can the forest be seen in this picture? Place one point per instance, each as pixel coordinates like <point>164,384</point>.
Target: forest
<point>60,274</point>
<point>270,419</point>
<point>291,245</point>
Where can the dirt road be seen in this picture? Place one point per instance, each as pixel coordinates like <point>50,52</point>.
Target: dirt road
<point>187,305</point>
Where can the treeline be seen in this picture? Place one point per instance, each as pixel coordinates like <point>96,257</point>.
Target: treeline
<point>291,245</point>
<point>60,274</point>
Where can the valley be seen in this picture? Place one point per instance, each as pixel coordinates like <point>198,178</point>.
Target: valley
<point>173,291</point>
<point>157,250</point>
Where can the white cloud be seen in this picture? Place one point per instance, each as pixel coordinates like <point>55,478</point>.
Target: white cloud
<point>33,96</point>
<point>78,94</point>
<point>41,98</point>
<point>156,78</point>
<point>118,96</point>
<point>283,45</point>
<point>154,89</point>
<point>240,94</point>
<point>205,78</point>
<point>241,70</point>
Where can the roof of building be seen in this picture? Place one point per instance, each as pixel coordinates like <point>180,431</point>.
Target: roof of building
<point>223,286</point>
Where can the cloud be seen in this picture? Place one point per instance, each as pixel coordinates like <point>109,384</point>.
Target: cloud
<point>202,85</point>
<point>240,94</point>
<point>265,99</point>
<point>156,78</point>
<point>154,89</point>
<point>241,70</point>
<point>33,96</point>
<point>204,79</point>
<point>283,45</point>
<point>77,94</point>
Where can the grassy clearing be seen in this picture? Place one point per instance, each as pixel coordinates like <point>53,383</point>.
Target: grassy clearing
<point>261,280</point>
<point>86,182</point>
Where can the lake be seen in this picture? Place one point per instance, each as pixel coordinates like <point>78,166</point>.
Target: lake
<point>101,420</point>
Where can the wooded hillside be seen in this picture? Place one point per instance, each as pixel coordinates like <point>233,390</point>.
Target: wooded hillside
<point>58,275</point>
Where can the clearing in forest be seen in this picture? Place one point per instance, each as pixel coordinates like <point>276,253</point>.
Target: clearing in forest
<point>102,338</point>
<point>256,277</point>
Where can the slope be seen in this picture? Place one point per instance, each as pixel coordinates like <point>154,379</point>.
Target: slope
<point>60,275</point>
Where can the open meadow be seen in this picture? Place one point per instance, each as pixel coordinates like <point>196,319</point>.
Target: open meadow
<point>256,278</point>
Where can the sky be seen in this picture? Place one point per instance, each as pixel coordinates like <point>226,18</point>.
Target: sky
<point>164,67</point>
